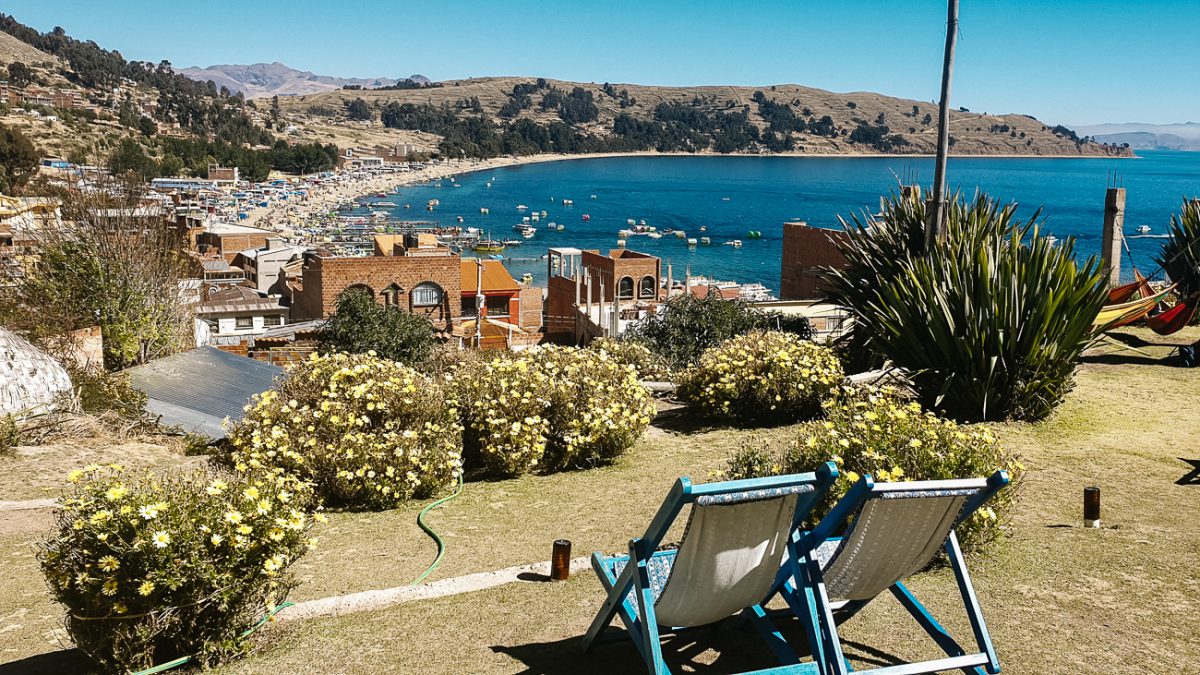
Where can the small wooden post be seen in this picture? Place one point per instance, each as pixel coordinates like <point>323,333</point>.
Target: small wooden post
<point>1114,234</point>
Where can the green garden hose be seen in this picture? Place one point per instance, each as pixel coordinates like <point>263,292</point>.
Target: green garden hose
<point>185,659</point>
<point>429,530</point>
<point>441,545</point>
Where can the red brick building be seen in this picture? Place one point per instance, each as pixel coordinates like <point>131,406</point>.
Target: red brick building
<point>593,294</point>
<point>806,250</point>
<point>228,239</point>
<point>416,275</point>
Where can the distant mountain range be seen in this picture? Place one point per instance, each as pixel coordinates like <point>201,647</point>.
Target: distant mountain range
<point>1185,136</point>
<point>262,80</point>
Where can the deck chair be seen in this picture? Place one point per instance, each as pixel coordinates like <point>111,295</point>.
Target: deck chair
<point>896,531</point>
<point>739,534</point>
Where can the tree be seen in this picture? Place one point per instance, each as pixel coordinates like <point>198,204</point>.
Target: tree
<point>275,112</point>
<point>18,159</point>
<point>19,74</point>
<point>359,324</point>
<point>147,126</point>
<point>130,157</point>
<point>358,110</point>
<point>110,263</point>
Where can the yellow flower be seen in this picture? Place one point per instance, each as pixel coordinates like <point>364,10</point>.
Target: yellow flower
<point>148,511</point>
<point>110,587</point>
<point>217,487</point>
<point>116,493</point>
<point>108,563</point>
<point>75,476</point>
<point>146,588</point>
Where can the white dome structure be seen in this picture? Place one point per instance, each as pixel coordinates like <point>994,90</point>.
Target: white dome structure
<point>30,381</point>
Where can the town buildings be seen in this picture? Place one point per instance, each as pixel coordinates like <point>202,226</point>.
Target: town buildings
<point>590,294</point>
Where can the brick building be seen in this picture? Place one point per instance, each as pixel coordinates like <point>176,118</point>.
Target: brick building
<point>512,313</point>
<point>592,294</point>
<point>228,239</point>
<point>806,250</point>
<point>417,275</point>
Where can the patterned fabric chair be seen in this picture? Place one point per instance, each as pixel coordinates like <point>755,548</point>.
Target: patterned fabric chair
<point>894,531</point>
<point>739,543</point>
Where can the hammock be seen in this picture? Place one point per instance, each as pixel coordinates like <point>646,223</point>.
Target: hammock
<point>1125,292</point>
<point>1176,318</point>
<point>1125,313</point>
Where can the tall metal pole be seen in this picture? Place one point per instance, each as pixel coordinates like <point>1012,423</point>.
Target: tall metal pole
<point>934,229</point>
<point>479,300</point>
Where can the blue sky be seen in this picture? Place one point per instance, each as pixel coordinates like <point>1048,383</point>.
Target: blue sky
<point>1071,61</point>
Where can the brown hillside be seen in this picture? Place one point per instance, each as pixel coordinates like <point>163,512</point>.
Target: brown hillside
<point>12,49</point>
<point>973,133</point>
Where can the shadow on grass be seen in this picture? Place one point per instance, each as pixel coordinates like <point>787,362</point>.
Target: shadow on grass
<point>1192,477</point>
<point>726,650</point>
<point>53,663</point>
<point>688,421</point>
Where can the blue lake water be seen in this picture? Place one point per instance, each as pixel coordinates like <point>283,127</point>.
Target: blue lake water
<point>731,196</point>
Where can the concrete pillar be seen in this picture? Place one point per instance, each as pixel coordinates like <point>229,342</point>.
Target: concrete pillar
<point>1114,234</point>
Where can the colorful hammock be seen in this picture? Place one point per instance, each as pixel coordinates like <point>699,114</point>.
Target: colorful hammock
<point>1125,313</point>
<point>1176,318</point>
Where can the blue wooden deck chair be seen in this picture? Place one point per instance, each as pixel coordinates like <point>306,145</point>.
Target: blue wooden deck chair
<point>739,535</point>
<point>896,531</point>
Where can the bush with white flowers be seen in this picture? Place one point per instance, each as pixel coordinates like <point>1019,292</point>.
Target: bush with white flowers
<point>365,432</point>
<point>153,568</point>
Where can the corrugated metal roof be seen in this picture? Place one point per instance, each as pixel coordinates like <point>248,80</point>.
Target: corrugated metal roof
<point>495,277</point>
<point>197,390</point>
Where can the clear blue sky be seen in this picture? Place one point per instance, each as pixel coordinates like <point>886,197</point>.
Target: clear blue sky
<point>1070,61</point>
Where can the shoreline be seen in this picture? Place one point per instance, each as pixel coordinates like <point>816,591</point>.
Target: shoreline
<point>322,200</point>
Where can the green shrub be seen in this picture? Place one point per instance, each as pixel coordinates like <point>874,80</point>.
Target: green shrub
<point>101,391</point>
<point>649,366</point>
<point>10,434</point>
<point>1180,255</point>
<point>763,377</point>
<point>360,325</point>
<point>153,568</point>
<point>549,409</point>
<point>685,326</point>
<point>875,431</point>
<point>366,432</point>
<point>989,324</point>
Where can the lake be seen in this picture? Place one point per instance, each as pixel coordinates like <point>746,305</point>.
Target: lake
<point>733,195</point>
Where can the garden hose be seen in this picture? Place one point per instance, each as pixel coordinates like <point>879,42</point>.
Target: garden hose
<point>429,530</point>
<point>441,545</point>
<point>185,659</point>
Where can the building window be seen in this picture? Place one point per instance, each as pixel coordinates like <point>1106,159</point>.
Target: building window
<point>273,320</point>
<point>497,307</point>
<point>468,306</point>
<point>244,322</point>
<point>426,295</point>
<point>649,289</point>
<point>625,288</point>
<point>213,325</point>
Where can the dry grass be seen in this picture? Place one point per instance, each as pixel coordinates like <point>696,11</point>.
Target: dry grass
<point>1058,597</point>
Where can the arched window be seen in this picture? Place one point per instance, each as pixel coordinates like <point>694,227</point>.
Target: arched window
<point>625,288</point>
<point>649,288</point>
<point>426,294</point>
<point>361,288</point>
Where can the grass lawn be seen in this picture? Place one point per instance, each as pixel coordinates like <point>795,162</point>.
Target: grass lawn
<point>1058,597</point>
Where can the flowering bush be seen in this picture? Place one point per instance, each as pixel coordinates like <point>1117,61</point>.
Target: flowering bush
<point>764,377</point>
<point>365,432</point>
<point>549,409</point>
<point>875,431</point>
<point>649,366</point>
<point>151,569</point>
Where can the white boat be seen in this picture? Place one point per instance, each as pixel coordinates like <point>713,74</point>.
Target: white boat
<point>691,241</point>
<point>388,205</point>
<point>1143,229</point>
<point>529,232</point>
<point>736,243</point>
<point>521,207</point>
<point>654,235</point>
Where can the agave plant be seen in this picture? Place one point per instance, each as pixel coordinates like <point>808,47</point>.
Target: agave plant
<point>1180,255</point>
<point>989,323</point>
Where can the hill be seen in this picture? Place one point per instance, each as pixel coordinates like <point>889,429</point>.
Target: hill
<point>497,116</point>
<point>12,49</point>
<point>263,80</point>
<point>1185,136</point>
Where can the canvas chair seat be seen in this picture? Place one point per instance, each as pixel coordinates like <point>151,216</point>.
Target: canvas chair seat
<point>740,536</point>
